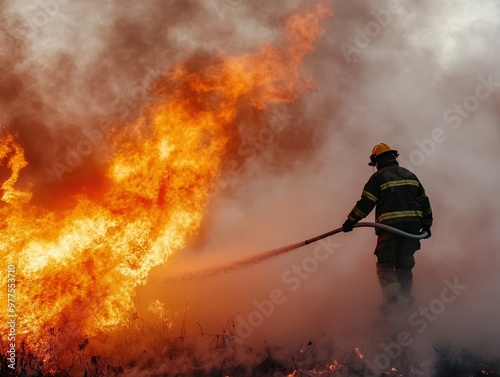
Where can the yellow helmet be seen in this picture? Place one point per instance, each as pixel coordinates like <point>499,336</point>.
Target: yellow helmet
<point>380,149</point>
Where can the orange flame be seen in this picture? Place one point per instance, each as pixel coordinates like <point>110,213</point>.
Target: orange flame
<point>14,155</point>
<point>83,263</point>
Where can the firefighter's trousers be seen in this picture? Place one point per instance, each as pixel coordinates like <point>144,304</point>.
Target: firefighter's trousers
<point>395,261</point>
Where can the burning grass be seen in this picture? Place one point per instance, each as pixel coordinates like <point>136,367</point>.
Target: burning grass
<point>84,261</point>
<point>78,267</point>
<point>160,347</point>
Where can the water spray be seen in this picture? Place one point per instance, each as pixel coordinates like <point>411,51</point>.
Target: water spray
<point>236,265</point>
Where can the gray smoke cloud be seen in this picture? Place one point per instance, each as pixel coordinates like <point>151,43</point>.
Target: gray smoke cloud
<point>421,76</point>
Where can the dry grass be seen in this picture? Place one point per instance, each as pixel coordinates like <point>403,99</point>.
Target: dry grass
<point>160,349</point>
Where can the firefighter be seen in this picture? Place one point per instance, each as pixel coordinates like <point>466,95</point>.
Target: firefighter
<point>401,202</point>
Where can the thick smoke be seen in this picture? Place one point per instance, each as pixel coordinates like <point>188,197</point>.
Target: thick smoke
<point>424,78</point>
<point>421,76</point>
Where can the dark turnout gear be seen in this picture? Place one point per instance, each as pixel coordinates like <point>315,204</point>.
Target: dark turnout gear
<point>395,261</point>
<point>398,195</point>
<point>400,202</point>
<point>348,226</point>
<point>428,230</point>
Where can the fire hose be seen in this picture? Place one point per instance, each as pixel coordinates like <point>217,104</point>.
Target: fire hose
<point>275,252</point>
<point>372,225</point>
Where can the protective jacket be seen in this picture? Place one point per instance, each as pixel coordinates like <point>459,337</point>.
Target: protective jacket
<point>398,195</point>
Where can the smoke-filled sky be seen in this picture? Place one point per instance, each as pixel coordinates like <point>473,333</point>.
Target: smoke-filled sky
<point>422,76</point>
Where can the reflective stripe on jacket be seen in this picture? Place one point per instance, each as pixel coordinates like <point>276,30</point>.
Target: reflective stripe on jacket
<point>398,195</point>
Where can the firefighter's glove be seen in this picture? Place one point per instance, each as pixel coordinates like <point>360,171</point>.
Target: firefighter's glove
<point>428,230</point>
<point>348,225</point>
